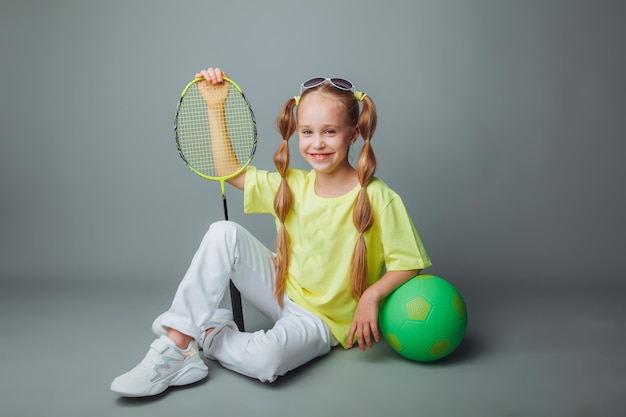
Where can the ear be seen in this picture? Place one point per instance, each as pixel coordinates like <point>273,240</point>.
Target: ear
<point>355,135</point>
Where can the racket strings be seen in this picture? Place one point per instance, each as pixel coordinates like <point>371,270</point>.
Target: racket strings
<point>236,131</point>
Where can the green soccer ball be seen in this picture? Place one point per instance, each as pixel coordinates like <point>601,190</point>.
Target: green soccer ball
<point>424,319</point>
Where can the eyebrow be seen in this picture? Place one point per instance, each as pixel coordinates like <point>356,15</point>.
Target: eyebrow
<point>325,126</point>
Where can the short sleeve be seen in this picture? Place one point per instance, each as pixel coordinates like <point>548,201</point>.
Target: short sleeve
<point>259,190</point>
<point>402,245</point>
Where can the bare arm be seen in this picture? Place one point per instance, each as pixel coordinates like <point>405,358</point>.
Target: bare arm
<point>365,321</point>
<point>215,92</point>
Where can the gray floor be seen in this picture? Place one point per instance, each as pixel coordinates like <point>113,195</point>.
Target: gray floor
<point>532,352</point>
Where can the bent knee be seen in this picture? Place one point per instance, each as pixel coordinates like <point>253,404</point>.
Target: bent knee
<point>275,358</point>
<point>222,230</point>
<point>269,362</point>
<point>223,227</point>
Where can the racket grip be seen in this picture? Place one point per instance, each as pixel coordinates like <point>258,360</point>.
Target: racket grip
<point>225,206</point>
<point>235,302</point>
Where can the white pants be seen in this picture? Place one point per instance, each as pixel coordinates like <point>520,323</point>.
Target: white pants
<point>229,252</point>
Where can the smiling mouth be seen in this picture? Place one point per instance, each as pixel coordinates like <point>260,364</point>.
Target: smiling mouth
<point>319,156</point>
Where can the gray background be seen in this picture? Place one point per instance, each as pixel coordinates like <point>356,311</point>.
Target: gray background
<point>501,124</point>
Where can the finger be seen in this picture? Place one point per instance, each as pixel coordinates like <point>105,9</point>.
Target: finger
<point>361,340</point>
<point>376,334</point>
<point>368,338</point>
<point>217,75</point>
<point>204,74</point>
<point>220,74</point>
<point>351,336</point>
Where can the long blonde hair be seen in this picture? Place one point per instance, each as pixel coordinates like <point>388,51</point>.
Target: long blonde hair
<point>362,216</point>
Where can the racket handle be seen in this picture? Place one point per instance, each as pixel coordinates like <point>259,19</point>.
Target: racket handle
<point>235,295</point>
<point>225,207</point>
<point>235,301</point>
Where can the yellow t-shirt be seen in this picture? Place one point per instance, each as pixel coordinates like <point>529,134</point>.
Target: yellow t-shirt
<point>322,236</point>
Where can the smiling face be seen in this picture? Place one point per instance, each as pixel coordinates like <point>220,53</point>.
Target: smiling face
<point>324,134</point>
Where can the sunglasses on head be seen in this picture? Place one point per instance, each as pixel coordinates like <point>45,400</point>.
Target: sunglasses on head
<point>339,83</point>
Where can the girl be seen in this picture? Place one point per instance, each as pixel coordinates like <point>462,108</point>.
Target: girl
<point>344,242</point>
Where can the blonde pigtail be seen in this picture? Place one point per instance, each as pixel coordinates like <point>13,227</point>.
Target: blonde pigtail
<point>286,126</point>
<point>363,217</point>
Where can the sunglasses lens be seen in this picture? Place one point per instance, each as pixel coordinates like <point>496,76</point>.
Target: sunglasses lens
<point>313,82</point>
<point>341,83</point>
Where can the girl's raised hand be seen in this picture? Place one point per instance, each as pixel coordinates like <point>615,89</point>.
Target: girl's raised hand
<point>214,91</point>
<point>212,75</point>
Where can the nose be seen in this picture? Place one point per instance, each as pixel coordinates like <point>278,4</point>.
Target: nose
<point>318,141</point>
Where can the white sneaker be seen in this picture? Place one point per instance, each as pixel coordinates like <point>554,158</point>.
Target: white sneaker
<point>164,365</point>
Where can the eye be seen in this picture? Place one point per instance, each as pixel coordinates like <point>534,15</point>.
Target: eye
<point>306,131</point>
<point>330,131</point>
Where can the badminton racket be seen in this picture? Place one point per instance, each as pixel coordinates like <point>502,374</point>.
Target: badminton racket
<point>216,137</point>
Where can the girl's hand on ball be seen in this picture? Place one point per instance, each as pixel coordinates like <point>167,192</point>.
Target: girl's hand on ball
<point>365,322</point>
